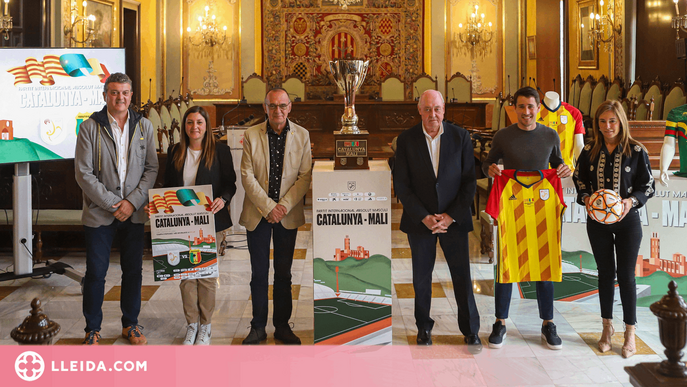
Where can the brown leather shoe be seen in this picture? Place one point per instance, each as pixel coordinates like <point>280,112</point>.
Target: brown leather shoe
<point>134,334</point>
<point>92,338</point>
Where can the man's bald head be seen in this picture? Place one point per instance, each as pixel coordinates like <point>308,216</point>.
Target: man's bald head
<point>431,95</point>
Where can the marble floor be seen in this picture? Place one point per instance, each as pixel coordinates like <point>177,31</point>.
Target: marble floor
<point>523,360</point>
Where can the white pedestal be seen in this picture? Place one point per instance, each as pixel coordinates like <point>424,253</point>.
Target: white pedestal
<point>352,254</point>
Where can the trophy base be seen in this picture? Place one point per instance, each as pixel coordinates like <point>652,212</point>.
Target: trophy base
<point>350,150</point>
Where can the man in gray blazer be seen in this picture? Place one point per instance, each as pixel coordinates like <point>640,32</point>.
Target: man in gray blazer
<point>115,165</point>
<point>276,174</point>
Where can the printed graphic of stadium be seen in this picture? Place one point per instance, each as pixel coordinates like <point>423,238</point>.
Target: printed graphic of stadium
<point>352,297</point>
<point>580,279</point>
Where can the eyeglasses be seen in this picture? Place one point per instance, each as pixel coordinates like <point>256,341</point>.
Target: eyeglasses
<point>116,93</point>
<point>281,106</point>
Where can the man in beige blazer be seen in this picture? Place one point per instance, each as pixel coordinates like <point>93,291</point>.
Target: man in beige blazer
<point>276,174</point>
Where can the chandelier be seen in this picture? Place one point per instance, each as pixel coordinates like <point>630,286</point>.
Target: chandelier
<point>207,33</point>
<point>6,21</point>
<point>345,3</point>
<point>87,23</point>
<point>603,29</point>
<point>679,22</point>
<point>477,34</point>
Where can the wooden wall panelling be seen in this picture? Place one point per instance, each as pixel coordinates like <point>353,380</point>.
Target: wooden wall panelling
<point>548,46</point>
<point>655,39</point>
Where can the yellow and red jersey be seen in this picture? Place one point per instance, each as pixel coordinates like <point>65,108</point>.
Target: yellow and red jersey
<point>528,206</point>
<point>567,121</point>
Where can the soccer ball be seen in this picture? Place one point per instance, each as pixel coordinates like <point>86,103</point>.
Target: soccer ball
<point>605,206</point>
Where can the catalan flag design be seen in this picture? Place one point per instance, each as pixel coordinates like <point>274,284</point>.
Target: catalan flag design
<point>567,121</point>
<point>171,198</point>
<point>528,206</point>
<point>182,197</point>
<point>67,65</point>
<point>342,45</point>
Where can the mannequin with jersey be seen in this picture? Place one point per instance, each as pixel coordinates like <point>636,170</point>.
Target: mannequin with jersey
<point>676,125</point>
<point>567,121</point>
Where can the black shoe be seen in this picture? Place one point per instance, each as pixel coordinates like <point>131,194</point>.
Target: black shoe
<point>474,344</point>
<point>424,337</point>
<point>256,336</point>
<point>498,335</point>
<point>286,335</point>
<point>548,333</point>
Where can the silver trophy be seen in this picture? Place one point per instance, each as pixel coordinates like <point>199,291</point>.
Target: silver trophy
<point>349,76</point>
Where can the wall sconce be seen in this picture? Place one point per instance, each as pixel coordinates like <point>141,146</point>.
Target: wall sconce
<point>6,21</point>
<point>603,29</point>
<point>207,33</point>
<point>87,23</point>
<point>476,35</point>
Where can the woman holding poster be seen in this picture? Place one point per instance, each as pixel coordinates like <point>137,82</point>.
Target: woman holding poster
<point>196,160</point>
<point>615,161</point>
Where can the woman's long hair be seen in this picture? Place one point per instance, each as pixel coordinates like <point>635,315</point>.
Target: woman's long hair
<point>208,145</point>
<point>626,141</point>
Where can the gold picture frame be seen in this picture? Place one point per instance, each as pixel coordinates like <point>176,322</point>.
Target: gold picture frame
<point>587,51</point>
<point>103,11</point>
<point>532,47</point>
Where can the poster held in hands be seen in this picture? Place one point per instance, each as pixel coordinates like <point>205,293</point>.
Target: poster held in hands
<point>182,228</point>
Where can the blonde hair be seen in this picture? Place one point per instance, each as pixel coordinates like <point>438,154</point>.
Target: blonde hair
<point>626,141</point>
<point>208,146</point>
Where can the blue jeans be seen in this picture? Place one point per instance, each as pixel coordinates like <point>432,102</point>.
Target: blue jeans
<point>502,296</point>
<point>98,246</point>
<point>284,241</point>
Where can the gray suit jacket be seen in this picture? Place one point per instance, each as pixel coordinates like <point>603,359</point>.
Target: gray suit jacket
<point>255,176</point>
<point>95,165</point>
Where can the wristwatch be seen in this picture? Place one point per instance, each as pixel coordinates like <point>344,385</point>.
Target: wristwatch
<point>635,202</point>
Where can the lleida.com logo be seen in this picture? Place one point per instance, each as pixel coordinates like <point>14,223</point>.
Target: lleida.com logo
<point>29,366</point>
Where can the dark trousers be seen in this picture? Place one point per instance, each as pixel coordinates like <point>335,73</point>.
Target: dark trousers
<point>98,247</point>
<point>617,242</point>
<point>284,241</point>
<point>456,250</point>
<point>502,297</point>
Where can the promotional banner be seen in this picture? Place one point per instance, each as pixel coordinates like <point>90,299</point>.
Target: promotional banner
<point>46,94</point>
<point>352,254</point>
<point>182,228</point>
<point>661,255</point>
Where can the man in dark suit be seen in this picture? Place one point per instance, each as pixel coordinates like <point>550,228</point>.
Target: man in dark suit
<point>434,178</point>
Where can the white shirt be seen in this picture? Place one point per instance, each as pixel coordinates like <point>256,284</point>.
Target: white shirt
<point>121,139</point>
<point>191,166</point>
<point>434,144</point>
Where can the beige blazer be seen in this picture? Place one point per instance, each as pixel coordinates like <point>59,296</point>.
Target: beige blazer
<point>295,182</point>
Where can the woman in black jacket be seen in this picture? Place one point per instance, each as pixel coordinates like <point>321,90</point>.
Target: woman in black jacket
<point>198,160</point>
<point>615,161</point>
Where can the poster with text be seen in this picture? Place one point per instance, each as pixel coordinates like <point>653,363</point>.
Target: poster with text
<point>182,228</point>
<point>352,254</point>
<point>46,94</point>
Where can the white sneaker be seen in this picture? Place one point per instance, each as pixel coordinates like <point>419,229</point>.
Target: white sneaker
<point>204,334</point>
<point>191,333</point>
